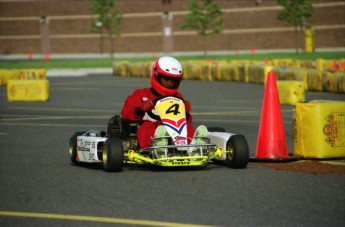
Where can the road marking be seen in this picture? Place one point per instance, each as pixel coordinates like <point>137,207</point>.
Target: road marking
<point>73,89</point>
<point>241,112</point>
<point>234,113</point>
<point>64,109</point>
<point>53,118</point>
<point>239,101</point>
<point>52,125</point>
<point>95,219</point>
<point>228,121</point>
<point>338,163</point>
<point>227,113</point>
<point>234,121</point>
<point>109,83</point>
<point>234,110</point>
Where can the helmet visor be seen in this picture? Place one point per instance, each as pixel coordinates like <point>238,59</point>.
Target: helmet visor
<point>168,82</point>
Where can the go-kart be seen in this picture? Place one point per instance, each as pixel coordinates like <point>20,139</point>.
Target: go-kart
<point>118,146</point>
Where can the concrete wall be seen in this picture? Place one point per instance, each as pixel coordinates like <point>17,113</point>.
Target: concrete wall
<point>246,26</point>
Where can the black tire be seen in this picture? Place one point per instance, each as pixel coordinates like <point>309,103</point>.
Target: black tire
<point>215,129</point>
<point>112,155</point>
<point>73,147</point>
<point>238,157</point>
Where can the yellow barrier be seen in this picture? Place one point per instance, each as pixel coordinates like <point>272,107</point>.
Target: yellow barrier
<point>319,129</point>
<point>186,69</point>
<point>309,40</point>
<point>33,74</point>
<point>324,64</point>
<point>6,75</point>
<point>258,73</point>
<point>340,81</point>
<point>266,70</point>
<point>304,64</point>
<point>27,90</point>
<point>295,74</point>
<point>215,71</point>
<point>250,71</point>
<point>314,80</point>
<point>145,69</point>
<point>333,81</point>
<point>206,71</point>
<point>290,92</point>
<point>283,62</point>
<point>128,69</point>
<point>195,71</point>
<point>121,68</point>
<point>224,72</point>
<point>234,73</point>
<point>342,64</point>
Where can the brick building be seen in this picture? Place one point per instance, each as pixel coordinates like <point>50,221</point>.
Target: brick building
<point>62,26</point>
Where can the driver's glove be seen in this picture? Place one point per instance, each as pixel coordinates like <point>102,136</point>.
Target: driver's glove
<point>187,106</point>
<point>147,105</point>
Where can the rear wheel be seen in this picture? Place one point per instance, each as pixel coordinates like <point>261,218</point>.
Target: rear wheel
<point>238,151</point>
<point>112,155</point>
<point>73,153</point>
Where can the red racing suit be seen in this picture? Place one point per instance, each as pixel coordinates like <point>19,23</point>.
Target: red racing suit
<point>131,113</point>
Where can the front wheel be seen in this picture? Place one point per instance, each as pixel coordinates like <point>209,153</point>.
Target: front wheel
<point>73,153</point>
<point>112,155</point>
<point>237,154</point>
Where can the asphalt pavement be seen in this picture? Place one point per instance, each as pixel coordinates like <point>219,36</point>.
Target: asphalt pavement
<point>40,187</point>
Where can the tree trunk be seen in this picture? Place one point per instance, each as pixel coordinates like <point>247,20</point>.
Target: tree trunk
<point>296,38</point>
<point>300,36</point>
<point>205,46</point>
<point>110,38</point>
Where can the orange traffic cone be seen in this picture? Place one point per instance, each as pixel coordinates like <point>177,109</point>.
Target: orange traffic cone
<point>47,58</point>
<point>30,56</point>
<point>271,144</point>
<point>335,65</point>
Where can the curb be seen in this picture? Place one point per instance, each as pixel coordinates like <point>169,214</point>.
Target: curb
<point>80,72</point>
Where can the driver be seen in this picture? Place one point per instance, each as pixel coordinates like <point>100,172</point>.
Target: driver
<point>166,75</point>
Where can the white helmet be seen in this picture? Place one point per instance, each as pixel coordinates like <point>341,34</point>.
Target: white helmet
<point>166,67</point>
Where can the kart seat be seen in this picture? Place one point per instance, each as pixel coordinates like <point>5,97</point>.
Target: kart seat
<point>117,128</point>
<point>94,133</point>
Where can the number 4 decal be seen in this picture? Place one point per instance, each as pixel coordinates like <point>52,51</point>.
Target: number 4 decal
<point>173,109</point>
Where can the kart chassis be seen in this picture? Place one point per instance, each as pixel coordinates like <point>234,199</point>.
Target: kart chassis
<point>96,147</point>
